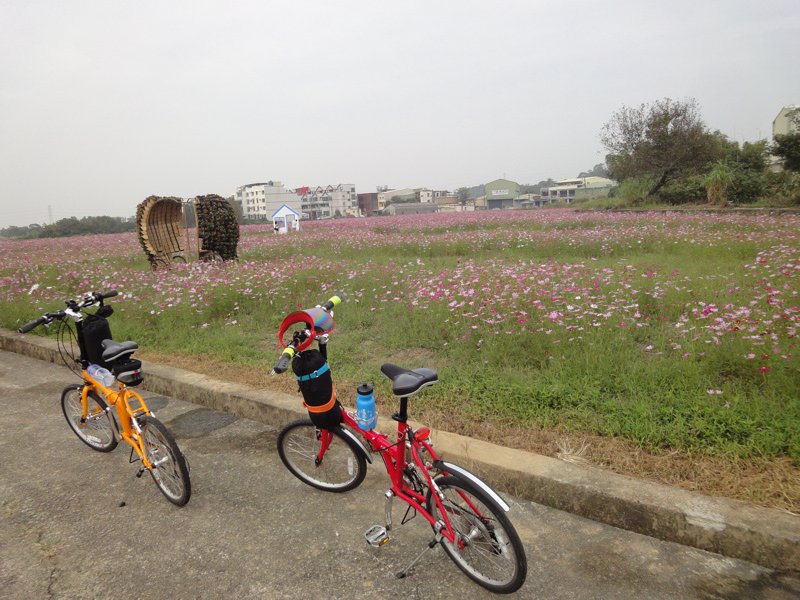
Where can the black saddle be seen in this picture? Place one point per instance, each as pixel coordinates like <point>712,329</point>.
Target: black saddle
<point>115,350</point>
<point>407,382</point>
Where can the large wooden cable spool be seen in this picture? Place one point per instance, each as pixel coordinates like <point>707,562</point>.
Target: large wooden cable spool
<point>217,228</point>
<point>159,221</point>
<point>162,225</point>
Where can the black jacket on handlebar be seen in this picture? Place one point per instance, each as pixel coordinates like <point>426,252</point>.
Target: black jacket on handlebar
<point>319,396</point>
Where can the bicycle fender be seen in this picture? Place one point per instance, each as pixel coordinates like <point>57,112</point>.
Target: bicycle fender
<point>352,436</point>
<point>474,480</point>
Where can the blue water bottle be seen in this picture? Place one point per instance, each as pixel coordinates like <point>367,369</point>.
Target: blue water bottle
<point>366,416</point>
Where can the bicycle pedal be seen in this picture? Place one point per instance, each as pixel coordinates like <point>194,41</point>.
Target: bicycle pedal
<point>376,536</point>
<point>139,473</point>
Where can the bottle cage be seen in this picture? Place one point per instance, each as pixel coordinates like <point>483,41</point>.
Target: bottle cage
<point>317,320</point>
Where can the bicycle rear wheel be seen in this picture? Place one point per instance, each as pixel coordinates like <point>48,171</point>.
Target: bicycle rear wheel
<point>342,467</point>
<point>487,548</point>
<point>170,471</point>
<point>96,431</point>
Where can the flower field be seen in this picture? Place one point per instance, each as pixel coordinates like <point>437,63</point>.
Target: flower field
<point>667,330</point>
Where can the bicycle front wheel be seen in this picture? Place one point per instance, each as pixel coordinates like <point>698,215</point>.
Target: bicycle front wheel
<point>169,469</point>
<point>97,430</point>
<point>341,468</point>
<point>487,548</point>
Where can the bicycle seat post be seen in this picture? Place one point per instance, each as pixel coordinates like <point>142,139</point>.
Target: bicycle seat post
<point>402,415</point>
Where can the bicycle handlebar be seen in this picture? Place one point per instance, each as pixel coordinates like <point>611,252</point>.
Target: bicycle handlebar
<point>283,362</point>
<point>291,349</point>
<point>85,302</point>
<point>334,300</point>
<point>32,325</point>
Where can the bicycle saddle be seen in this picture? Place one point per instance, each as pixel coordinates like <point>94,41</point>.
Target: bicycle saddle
<point>114,350</point>
<point>407,382</point>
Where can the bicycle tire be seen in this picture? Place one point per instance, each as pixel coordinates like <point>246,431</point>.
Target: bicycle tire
<point>342,469</point>
<point>97,432</point>
<point>170,471</point>
<point>493,557</point>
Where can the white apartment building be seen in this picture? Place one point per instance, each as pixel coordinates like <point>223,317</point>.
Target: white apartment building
<point>260,200</point>
<point>330,201</point>
<point>787,121</point>
<point>582,188</point>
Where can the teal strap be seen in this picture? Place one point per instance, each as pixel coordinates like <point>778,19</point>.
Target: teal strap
<point>322,370</point>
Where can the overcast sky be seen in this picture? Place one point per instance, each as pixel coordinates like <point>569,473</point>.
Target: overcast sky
<point>105,103</point>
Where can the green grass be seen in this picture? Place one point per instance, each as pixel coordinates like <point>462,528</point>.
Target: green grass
<point>646,384</point>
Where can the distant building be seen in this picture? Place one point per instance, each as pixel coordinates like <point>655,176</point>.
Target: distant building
<point>404,194</point>
<point>532,200</point>
<point>787,121</point>
<point>451,203</point>
<point>501,193</point>
<point>327,202</point>
<point>368,203</point>
<point>581,188</point>
<point>426,195</point>
<point>260,200</point>
<point>412,208</point>
<point>285,219</point>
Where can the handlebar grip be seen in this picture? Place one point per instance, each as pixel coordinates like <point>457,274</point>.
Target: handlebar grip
<point>108,294</point>
<point>32,325</point>
<point>335,300</point>
<point>283,361</point>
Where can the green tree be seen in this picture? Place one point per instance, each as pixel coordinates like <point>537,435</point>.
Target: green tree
<point>717,183</point>
<point>787,147</point>
<point>599,170</point>
<point>462,195</point>
<point>665,140</point>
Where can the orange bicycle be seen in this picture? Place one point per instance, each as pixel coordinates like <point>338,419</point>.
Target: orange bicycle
<point>87,406</point>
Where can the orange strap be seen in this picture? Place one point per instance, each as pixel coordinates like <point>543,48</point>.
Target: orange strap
<point>325,407</point>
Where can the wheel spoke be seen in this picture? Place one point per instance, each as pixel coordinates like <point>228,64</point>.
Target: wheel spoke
<point>341,467</point>
<point>486,548</point>
<point>96,430</point>
<point>168,467</point>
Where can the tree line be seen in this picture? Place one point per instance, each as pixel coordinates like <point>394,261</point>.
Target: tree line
<point>664,152</point>
<point>69,227</point>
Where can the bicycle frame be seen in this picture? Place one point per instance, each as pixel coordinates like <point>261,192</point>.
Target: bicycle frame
<point>396,461</point>
<point>120,400</point>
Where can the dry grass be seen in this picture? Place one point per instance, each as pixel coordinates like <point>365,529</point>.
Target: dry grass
<point>773,483</point>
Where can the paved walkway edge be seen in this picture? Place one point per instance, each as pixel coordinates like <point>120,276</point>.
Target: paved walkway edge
<point>767,537</point>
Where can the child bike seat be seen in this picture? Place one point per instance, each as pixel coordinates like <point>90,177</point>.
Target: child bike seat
<point>115,350</point>
<point>407,382</point>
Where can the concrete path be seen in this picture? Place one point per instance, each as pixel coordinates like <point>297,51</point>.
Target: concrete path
<point>767,537</point>
<point>77,524</point>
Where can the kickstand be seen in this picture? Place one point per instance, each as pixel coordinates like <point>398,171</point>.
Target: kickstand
<point>431,544</point>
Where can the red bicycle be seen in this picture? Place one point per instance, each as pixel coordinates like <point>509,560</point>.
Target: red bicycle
<point>326,451</point>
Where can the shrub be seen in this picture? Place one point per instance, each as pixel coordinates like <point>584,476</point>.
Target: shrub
<point>746,186</point>
<point>634,191</point>
<point>783,187</point>
<point>687,190</point>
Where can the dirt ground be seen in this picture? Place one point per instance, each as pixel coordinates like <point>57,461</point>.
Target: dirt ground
<point>769,482</point>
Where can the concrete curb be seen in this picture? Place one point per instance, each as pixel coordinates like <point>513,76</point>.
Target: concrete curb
<point>767,537</point>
